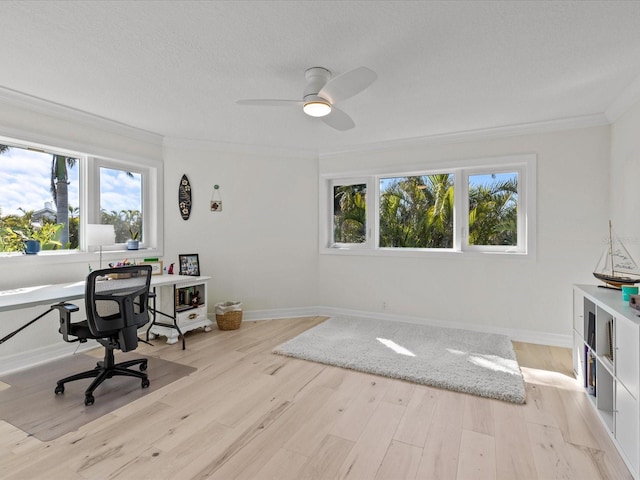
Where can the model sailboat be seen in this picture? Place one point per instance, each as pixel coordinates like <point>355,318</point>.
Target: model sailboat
<point>616,266</point>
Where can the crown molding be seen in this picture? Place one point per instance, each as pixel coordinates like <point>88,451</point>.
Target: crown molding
<point>46,107</point>
<point>456,137</point>
<point>195,144</point>
<point>475,135</point>
<point>38,105</point>
<point>623,102</point>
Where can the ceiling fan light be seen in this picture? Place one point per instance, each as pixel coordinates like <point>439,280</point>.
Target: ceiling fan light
<point>317,108</point>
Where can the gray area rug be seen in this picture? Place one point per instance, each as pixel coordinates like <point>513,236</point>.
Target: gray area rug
<point>31,405</point>
<point>478,363</point>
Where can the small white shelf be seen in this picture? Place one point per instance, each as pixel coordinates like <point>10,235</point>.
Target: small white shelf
<point>605,327</point>
<point>184,301</point>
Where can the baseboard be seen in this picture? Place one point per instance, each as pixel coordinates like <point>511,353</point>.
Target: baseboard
<point>280,313</point>
<point>31,358</point>
<point>518,335</point>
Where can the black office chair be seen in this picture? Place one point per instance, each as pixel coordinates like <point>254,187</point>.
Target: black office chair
<point>116,305</point>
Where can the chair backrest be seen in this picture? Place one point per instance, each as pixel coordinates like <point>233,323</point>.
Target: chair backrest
<point>117,302</point>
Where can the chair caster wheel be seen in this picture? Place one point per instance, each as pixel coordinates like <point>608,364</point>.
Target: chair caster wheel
<point>143,366</point>
<point>88,400</point>
<point>145,383</point>
<point>59,389</point>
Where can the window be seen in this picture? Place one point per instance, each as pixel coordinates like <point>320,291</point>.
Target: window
<point>482,206</point>
<point>493,209</point>
<point>349,213</point>
<point>51,195</point>
<point>39,198</point>
<point>416,211</point>
<point>121,203</point>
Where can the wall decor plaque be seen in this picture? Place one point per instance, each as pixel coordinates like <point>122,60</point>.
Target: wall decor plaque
<point>216,199</point>
<point>184,197</point>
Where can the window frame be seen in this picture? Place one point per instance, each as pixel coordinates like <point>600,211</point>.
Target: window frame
<point>414,173</point>
<point>89,204</point>
<point>520,246</point>
<point>344,181</point>
<point>93,166</point>
<point>523,164</point>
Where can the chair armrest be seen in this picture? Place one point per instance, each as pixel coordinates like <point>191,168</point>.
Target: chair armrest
<point>65,310</point>
<point>64,306</point>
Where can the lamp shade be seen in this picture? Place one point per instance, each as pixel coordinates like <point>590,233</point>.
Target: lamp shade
<point>99,235</point>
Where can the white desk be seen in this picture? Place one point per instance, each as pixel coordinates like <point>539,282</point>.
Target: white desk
<point>185,313</point>
<point>40,295</point>
<point>48,294</point>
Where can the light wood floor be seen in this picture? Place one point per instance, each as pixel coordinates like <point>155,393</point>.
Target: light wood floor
<point>249,414</point>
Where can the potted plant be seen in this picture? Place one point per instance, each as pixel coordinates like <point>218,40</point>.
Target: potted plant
<point>133,221</point>
<point>133,243</point>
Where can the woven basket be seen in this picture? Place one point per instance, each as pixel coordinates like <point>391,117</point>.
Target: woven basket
<point>230,320</point>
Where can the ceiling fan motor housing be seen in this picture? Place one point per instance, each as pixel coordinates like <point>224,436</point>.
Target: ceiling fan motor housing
<point>317,77</point>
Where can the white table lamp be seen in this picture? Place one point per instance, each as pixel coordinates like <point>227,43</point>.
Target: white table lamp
<point>99,235</point>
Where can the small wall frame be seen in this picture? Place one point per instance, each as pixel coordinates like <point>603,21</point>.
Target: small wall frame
<point>189,264</point>
<point>156,267</point>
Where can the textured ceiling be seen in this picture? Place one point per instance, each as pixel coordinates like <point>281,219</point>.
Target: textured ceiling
<point>176,68</point>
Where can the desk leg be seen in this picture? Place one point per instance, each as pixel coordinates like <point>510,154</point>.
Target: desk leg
<point>152,310</point>
<point>171,338</point>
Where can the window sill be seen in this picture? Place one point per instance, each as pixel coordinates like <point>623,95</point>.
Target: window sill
<point>66,256</point>
<point>419,253</point>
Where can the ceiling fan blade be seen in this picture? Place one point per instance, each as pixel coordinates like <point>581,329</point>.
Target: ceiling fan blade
<point>339,120</point>
<point>269,102</point>
<point>348,84</point>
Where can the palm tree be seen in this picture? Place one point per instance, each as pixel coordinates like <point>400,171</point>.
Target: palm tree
<point>74,213</point>
<point>493,213</point>
<point>417,212</point>
<point>350,213</point>
<point>60,192</point>
<point>439,215</point>
<point>402,205</point>
<point>59,189</point>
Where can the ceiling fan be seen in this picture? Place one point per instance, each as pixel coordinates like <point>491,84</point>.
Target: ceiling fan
<point>322,93</point>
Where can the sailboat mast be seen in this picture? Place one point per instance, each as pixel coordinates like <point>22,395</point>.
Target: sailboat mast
<point>611,249</point>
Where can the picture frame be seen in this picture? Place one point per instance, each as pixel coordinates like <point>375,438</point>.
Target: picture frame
<point>156,267</point>
<point>189,264</point>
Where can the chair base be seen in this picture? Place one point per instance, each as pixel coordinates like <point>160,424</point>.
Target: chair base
<point>104,370</point>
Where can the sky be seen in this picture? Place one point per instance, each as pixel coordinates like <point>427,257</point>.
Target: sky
<point>119,191</point>
<point>474,180</point>
<point>25,181</point>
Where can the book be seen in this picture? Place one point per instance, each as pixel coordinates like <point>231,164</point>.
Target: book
<point>591,330</point>
<point>585,372</point>
<point>591,367</point>
<point>609,353</point>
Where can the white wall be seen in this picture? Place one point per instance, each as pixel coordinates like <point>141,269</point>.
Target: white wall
<point>625,179</point>
<point>261,249</point>
<point>490,292</point>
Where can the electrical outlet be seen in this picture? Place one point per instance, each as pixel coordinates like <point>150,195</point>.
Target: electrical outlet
<point>384,306</point>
